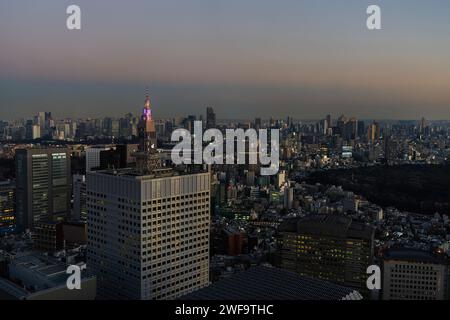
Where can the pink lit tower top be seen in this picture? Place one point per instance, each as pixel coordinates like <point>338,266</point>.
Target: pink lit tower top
<point>147,159</point>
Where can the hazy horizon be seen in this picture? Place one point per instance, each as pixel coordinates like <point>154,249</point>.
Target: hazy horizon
<point>246,59</point>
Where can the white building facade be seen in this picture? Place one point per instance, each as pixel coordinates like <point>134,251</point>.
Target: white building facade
<point>148,235</point>
<point>410,274</point>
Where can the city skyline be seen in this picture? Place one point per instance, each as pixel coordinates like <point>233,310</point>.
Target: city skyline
<point>301,58</point>
<point>234,154</point>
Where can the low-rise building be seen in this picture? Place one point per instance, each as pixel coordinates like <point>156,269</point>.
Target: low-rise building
<point>411,274</point>
<point>33,276</point>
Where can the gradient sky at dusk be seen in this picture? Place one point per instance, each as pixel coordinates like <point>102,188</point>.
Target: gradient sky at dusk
<point>246,58</point>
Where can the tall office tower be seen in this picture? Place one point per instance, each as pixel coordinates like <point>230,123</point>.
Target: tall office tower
<point>107,126</point>
<point>328,120</point>
<point>412,274</point>
<point>41,119</point>
<point>342,120</point>
<point>7,207</point>
<point>148,234</point>
<point>210,118</point>
<point>323,127</point>
<point>43,185</point>
<point>146,158</point>
<point>350,129</point>
<point>373,132</point>
<point>79,213</point>
<point>125,125</point>
<point>32,131</point>
<point>328,247</point>
<point>29,129</point>
<point>48,120</point>
<point>423,125</point>
<point>361,129</point>
<point>115,128</point>
<point>93,156</point>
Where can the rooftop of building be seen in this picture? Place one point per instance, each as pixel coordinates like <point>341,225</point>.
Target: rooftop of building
<point>37,149</point>
<point>414,255</point>
<point>45,272</point>
<point>328,224</point>
<point>159,173</point>
<point>268,283</point>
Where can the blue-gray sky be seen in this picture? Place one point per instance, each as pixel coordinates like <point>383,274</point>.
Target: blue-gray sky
<point>302,58</point>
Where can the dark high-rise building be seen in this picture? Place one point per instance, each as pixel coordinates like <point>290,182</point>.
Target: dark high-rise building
<point>111,159</point>
<point>43,185</point>
<point>29,129</point>
<point>119,157</point>
<point>423,126</point>
<point>328,121</point>
<point>7,207</point>
<point>342,120</point>
<point>361,128</point>
<point>210,118</point>
<point>327,247</point>
<point>111,127</point>
<point>349,132</point>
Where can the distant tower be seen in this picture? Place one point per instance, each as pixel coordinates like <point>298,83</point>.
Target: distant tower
<point>329,124</point>
<point>146,158</point>
<point>210,118</point>
<point>423,125</point>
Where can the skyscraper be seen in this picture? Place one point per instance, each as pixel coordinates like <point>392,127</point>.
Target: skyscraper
<point>328,121</point>
<point>423,125</point>
<point>148,235</point>
<point>361,129</point>
<point>350,129</point>
<point>210,118</point>
<point>42,185</point>
<point>32,131</point>
<point>373,132</point>
<point>40,119</point>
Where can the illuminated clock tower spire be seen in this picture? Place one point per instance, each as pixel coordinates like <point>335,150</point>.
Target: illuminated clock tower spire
<point>147,159</point>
